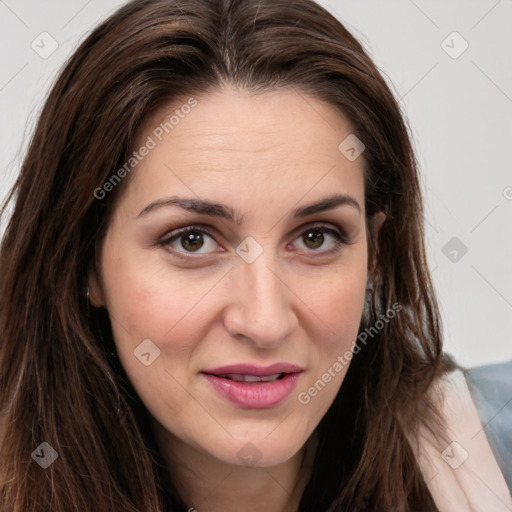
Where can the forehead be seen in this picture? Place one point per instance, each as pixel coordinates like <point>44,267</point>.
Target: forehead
<point>237,119</point>
<point>277,144</point>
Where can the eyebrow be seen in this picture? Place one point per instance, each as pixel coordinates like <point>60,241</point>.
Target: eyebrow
<point>202,206</point>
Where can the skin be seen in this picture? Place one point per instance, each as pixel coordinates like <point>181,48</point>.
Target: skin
<point>263,156</point>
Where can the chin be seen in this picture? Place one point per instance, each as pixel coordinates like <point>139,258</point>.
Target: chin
<point>251,453</point>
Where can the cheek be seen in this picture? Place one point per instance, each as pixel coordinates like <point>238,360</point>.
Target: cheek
<point>336,306</point>
<point>144,302</point>
<point>149,301</point>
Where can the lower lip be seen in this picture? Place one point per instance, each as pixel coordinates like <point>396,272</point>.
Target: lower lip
<point>258,395</point>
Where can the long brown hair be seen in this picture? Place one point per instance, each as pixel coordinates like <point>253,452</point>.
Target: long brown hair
<point>60,378</point>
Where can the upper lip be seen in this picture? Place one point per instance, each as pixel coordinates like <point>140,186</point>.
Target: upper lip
<point>257,371</point>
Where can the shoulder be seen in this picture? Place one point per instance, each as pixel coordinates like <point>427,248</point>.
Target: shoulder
<point>460,463</point>
<point>491,391</point>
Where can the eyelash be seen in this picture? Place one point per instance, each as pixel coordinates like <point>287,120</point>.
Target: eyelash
<point>339,238</point>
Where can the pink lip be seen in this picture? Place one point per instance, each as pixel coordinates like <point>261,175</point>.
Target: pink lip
<point>258,371</point>
<point>258,395</point>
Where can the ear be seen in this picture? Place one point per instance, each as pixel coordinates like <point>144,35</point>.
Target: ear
<point>96,295</point>
<point>374,226</point>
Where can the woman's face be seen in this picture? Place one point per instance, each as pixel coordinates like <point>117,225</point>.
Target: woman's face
<point>239,241</point>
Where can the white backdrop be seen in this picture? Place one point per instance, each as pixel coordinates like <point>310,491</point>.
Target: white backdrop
<point>449,63</point>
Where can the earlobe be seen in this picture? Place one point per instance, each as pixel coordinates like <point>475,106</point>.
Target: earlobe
<point>375,224</point>
<point>377,221</point>
<point>94,291</point>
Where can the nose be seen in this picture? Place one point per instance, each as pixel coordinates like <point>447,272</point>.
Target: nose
<point>261,306</point>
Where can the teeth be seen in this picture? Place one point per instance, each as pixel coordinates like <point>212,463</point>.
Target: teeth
<point>252,378</point>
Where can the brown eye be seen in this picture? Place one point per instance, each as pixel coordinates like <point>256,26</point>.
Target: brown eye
<point>321,239</point>
<point>192,241</point>
<point>189,240</point>
<point>313,239</point>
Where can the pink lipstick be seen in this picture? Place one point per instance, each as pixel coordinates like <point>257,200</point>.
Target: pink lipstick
<point>254,387</point>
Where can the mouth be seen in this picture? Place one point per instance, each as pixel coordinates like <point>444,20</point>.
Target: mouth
<point>254,387</point>
<point>251,378</point>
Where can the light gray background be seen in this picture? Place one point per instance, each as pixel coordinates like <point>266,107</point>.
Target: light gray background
<point>459,110</point>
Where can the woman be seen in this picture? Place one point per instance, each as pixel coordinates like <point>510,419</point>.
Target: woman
<point>213,286</point>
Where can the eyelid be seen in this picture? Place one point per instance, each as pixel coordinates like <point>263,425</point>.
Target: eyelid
<point>177,232</point>
<point>340,240</point>
<point>326,226</point>
<point>337,232</point>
